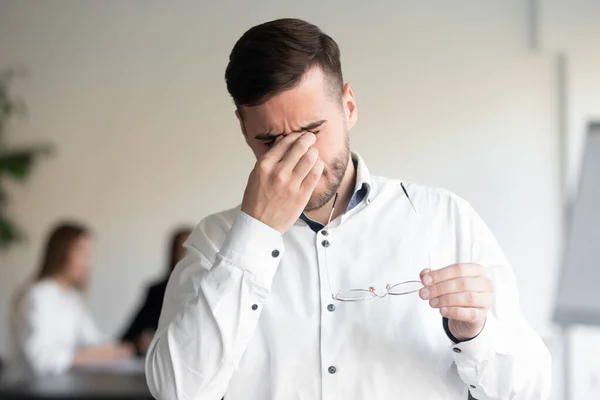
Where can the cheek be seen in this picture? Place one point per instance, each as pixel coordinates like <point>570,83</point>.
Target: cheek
<point>77,265</point>
<point>80,262</point>
<point>81,272</point>
<point>73,271</point>
<point>328,147</point>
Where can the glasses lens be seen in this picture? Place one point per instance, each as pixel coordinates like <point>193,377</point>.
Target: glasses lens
<point>355,295</point>
<point>405,288</point>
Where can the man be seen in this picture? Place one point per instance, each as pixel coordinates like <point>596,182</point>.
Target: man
<point>296,294</point>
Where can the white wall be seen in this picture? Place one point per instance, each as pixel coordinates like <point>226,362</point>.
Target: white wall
<point>132,96</point>
<point>572,28</point>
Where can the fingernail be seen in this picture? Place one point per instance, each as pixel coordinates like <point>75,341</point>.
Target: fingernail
<point>427,280</point>
<point>425,271</point>
<point>424,294</point>
<point>444,310</point>
<point>434,302</point>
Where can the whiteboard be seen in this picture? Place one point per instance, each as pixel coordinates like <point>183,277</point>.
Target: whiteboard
<point>578,300</point>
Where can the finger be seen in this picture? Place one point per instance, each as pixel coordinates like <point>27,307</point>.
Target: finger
<point>281,146</point>
<point>305,165</point>
<point>312,178</point>
<point>464,314</point>
<point>451,272</point>
<point>465,299</point>
<point>296,152</point>
<point>426,270</point>
<point>458,285</point>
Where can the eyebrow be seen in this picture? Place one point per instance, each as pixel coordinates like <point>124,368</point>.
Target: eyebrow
<point>272,136</point>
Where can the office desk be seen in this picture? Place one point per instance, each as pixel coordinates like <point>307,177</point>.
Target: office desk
<point>81,385</point>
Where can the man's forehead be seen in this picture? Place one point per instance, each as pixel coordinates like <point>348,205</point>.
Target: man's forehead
<point>301,104</point>
<point>289,118</point>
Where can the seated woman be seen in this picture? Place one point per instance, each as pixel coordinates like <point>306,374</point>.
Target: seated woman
<point>52,327</point>
<point>142,327</point>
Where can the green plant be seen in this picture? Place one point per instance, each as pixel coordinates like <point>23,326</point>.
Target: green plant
<point>15,163</point>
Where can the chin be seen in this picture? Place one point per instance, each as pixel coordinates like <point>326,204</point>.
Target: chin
<point>319,198</point>
<point>80,285</point>
<point>314,204</point>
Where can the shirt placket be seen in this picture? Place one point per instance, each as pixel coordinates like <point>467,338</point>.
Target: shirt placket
<point>330,368</point>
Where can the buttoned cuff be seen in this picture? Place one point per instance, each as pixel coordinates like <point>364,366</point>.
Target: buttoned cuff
<point>453,338</point>
<point>254,247</point>
<point>470,355</point>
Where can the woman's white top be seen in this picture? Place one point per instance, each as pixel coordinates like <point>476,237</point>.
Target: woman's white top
<point>49,325</point>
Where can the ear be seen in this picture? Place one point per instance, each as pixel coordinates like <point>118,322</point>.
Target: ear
<point>349,106</point>
<point>242,127</point>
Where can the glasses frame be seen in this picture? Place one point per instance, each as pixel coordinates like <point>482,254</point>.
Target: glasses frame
<point>371,293</point>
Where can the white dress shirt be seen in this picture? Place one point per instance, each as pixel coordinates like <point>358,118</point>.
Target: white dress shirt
<point>249,312</point>
<point>49,325</point>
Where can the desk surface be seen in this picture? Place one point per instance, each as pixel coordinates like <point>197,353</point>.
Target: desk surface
<point>81,385</point>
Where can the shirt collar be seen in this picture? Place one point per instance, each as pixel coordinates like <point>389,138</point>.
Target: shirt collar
<point>362,189</point>
<point>363,177</point>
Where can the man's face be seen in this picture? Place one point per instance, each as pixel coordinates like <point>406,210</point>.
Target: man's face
<point>310,107</point>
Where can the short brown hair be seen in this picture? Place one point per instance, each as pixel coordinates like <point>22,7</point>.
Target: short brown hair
<point>272,57</point>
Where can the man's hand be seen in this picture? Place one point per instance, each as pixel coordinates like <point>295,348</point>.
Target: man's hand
<point>283,180</point>
<point>462,294</point>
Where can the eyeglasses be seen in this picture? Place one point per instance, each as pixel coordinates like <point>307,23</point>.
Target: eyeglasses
<point>398,289</point>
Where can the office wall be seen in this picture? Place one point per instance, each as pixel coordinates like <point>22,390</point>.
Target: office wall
<point>132,96</point>
<point>572,30</point>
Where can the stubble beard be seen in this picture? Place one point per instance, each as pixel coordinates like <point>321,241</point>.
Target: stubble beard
<point>334,174</point>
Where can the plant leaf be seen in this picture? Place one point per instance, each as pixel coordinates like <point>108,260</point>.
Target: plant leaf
<point>9,233</point>
<point>18,163</point>
<point>3,197</point>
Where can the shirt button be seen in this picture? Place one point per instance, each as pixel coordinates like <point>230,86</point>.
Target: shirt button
<point>325,243</point>
<point>332,370</point>
<point>324,232</point>
<point>331,307</point>
<point>275,253</point>
<point>254,307</point>
<point>457,350</point>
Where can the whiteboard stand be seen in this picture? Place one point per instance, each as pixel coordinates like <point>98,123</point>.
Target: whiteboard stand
<point>578,301</point>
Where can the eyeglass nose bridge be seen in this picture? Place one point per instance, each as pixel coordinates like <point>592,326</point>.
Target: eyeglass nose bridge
<point>381,296</point>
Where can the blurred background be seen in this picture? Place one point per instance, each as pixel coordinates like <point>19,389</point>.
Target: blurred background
<point>491,100</point>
